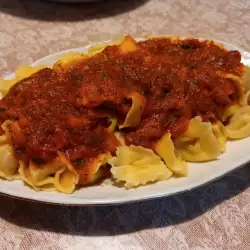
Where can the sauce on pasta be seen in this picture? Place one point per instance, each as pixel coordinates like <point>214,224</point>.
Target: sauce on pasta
<point>178,80</point>
<point>45,120</point>
<point>67,112</point>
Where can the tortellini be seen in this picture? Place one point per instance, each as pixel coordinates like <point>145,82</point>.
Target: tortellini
<point>239,119</point>
<point>165,148</point>
<point>198,144</point>
<point>133,117</point>
<point>229,112</point>
<point>239,83</point>
<point>93,169</point>
<point>246,98</point>
<point>58,175</point>
<point>8,163</point>
<point>135,165</point>
<point>246,78</point>
<point>220,133</point>
<point>239,124</point>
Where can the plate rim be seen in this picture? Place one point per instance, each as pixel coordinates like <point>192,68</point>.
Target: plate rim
<point>122,202</point>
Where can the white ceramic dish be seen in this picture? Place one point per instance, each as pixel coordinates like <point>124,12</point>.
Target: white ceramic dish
<point>237,154</point>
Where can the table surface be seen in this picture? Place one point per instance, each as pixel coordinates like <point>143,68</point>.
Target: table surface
<point>216,216</point>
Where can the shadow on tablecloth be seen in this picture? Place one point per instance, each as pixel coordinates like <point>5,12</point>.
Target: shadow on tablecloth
<point>116,220</point>
<point>49,11</point>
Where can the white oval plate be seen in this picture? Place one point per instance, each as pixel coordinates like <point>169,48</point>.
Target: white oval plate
<point>237,154</point>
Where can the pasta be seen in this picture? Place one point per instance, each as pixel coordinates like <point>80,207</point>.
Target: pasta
<point>166,149</point>
<point>239,124</point>
<point>135,111</point>
<point>59,175</point>
<point>246,78</point>
<point>94,169</point>
<point>198,143</point>
<point>220,133</point>
<point>138,166</point>
<point>68,60</point>
<point>133,117</point>
<point>21,73</point>
<point>239,84</point>
<point>8,163</point>
<point>97,48</point>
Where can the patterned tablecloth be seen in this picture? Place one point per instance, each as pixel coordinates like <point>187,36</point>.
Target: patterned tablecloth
<point>216,216</point>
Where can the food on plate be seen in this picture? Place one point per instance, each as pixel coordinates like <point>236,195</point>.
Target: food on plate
<point>135,165</point>
<point>135,111</point>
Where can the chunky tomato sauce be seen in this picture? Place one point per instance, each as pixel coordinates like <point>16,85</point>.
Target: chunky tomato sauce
<point>60,111</point>
<point>179,81</point>
<point>45,120</point>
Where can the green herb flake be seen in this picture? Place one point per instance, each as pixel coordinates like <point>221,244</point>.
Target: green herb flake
<point>166,92</point>
<point>105,75</point>
<point>171,119</point>
<point>2,109</point>
<point>78,163</point>
<point>123,65</point>
<point>193,84</point>
<point>41,94</point>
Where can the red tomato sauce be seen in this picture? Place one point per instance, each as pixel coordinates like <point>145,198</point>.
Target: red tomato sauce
<point>54,111</point>
<point>45,120</point>
<point>179,81</point>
